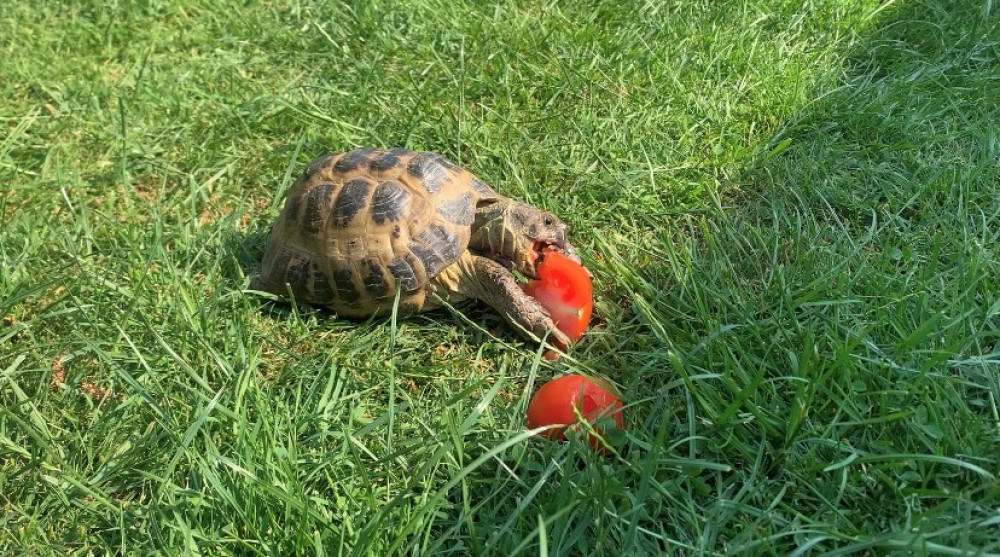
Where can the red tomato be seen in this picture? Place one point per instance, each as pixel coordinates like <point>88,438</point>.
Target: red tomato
<point>564,289</point>
<point>554,402</point>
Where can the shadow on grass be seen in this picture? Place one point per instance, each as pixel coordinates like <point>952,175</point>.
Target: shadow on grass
<point>832,335</point>
<point>244,250</point>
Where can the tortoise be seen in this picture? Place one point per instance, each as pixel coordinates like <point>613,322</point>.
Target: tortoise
<point>360,226</point>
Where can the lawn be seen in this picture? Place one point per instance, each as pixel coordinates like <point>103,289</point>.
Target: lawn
<point>790,211</point>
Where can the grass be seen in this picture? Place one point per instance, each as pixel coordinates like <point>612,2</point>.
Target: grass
<point>789,209</point>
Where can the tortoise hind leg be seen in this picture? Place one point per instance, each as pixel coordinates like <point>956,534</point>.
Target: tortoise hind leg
<point>484,279</point>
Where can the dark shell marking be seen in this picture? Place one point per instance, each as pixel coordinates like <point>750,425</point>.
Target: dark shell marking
<point>292,206</point>
<point>432,261</point>
<point>301,273</point>
<point>483,189</point>
<point>460,211</point>
<point>299,270</point>
<point>282,263</point>
<point>447,164</point>
<point>353,160</point>
<point>390,202</point>
<point>375,282</point>
<point>343,281</point>
<point>427,168</point>
<point>385,162</point>
<point>441,240</point>
<point>403,272</point>
<point>317,208</point>
<point>353,197</point>
<point>321,287</point>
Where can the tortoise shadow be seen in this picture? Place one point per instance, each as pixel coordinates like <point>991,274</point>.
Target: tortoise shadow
<point>241,252</point>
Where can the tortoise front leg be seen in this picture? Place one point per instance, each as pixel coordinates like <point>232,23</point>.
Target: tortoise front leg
<point>487,280</point>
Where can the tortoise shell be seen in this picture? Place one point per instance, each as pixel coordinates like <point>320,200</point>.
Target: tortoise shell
<point>359,224</point>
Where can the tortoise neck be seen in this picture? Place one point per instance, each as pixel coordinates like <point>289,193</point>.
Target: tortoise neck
<point>493,229</point>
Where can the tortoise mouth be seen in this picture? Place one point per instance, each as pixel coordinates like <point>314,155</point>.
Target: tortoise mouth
<point>533,257</point>
<point>537,254</point>
<point>539,249</point>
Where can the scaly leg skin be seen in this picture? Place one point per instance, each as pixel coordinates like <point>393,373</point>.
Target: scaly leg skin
<point>484,279</point>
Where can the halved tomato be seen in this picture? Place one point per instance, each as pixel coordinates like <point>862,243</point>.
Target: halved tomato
<point>554,402</point>
<point>564,289</point>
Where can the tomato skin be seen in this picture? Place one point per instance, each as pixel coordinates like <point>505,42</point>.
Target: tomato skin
<point>564,289</point>
<point>554,402</point>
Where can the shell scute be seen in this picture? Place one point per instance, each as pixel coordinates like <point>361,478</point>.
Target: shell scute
<point>441,240</point>
<point>447,164</point>
<point>432,261</point>
<point>317,207</point>
<point>384,162</point>
<point>343,282</point>
<point>391,202</point>
<point>427,168</point>
<point>322,290</point>
<point>353,197</point>
<point>460,210</point>
<point>298,270</point>
<point>482,189</point>
<point>375,282</point>
<point>404,274</point>
<point>354,160</point>
<point>281,264</point>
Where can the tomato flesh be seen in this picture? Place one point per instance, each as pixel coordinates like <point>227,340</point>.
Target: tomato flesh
<point>554,402</point>
<point>564,289</point>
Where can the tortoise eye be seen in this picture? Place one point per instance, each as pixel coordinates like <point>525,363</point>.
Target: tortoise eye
<point>549,221</point>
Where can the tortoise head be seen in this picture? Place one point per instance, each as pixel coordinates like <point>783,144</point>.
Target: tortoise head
<point>515,234</point>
